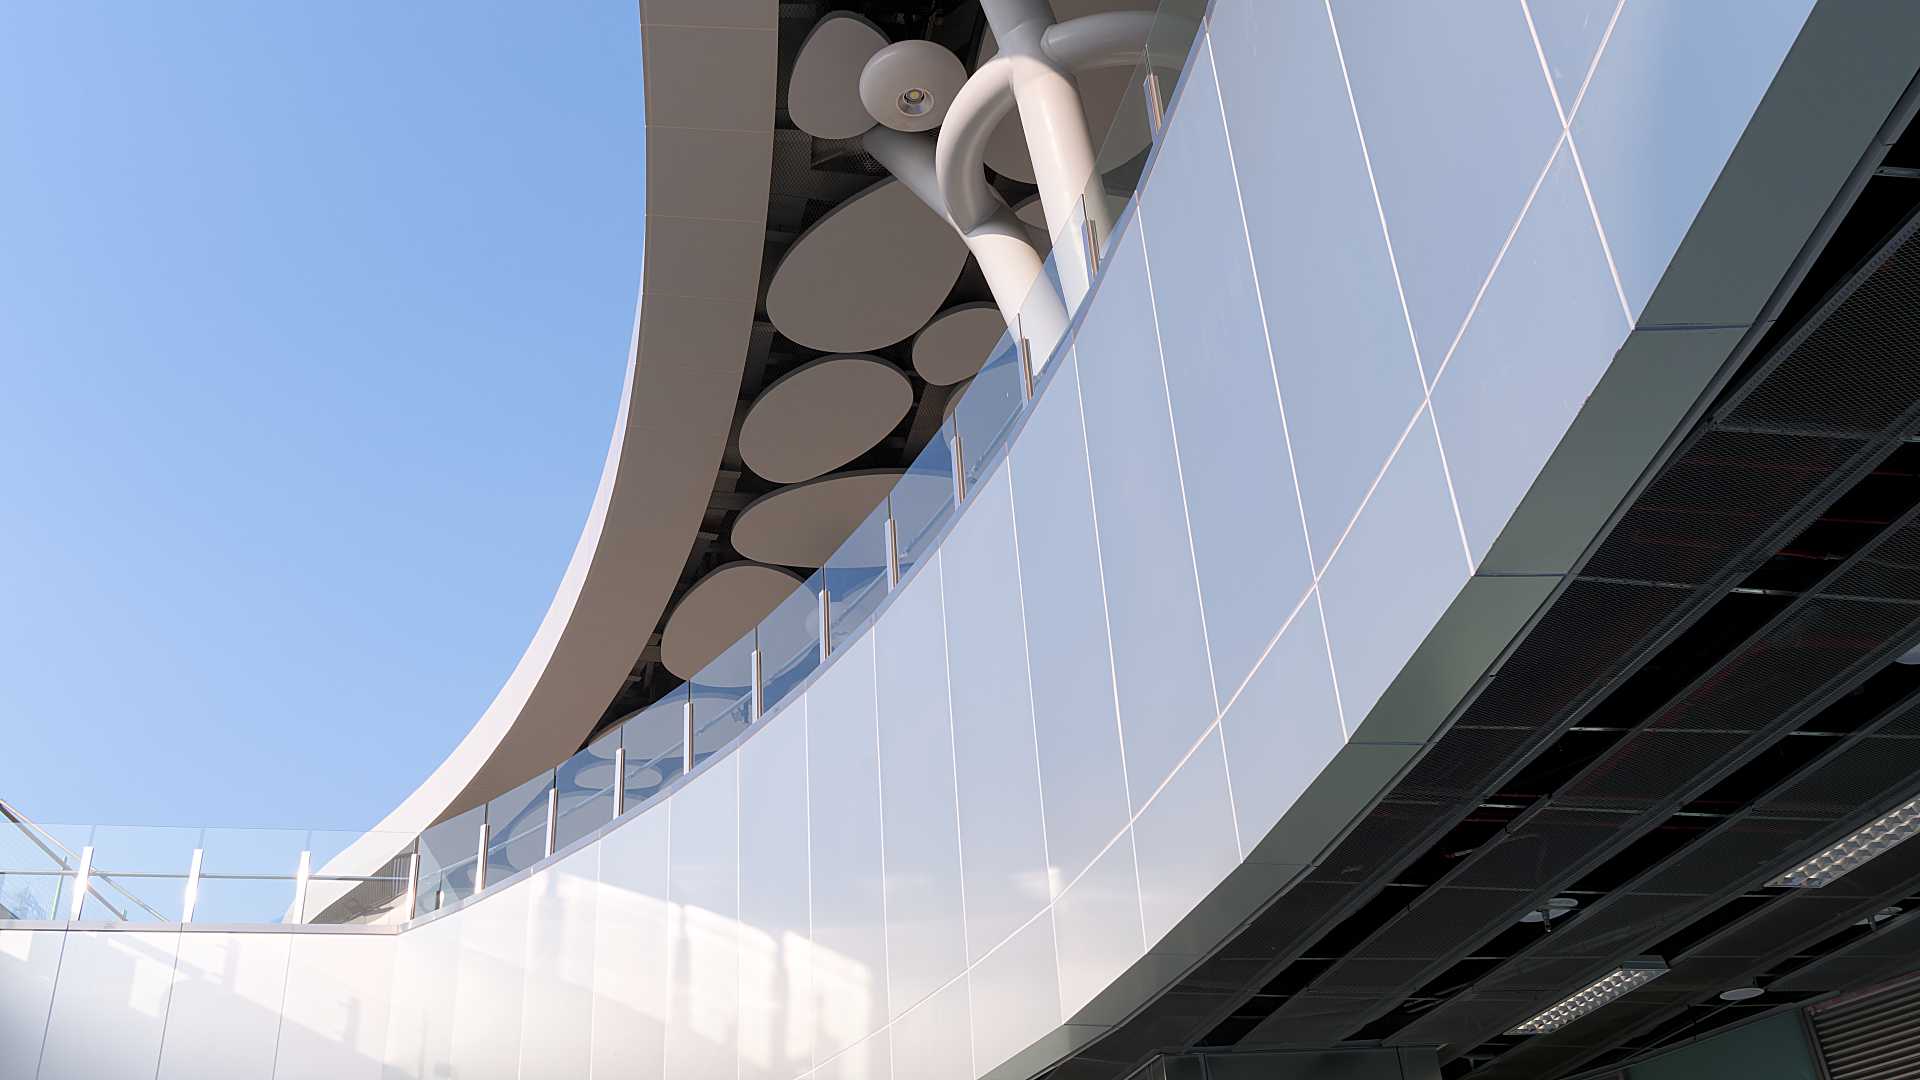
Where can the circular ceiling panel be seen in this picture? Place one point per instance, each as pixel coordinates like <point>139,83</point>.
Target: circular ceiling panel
<point>909,85</point>
<point>821,415</point>
<point>823,96</point>
<point>956,342</point>
<point>869,273</point>
<point>804,524</point>
<point>719,610</point>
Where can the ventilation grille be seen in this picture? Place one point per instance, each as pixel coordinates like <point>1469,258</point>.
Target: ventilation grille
<point>1872,1037</point>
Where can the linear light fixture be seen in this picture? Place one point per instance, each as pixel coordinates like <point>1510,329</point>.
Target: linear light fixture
<point>1619,982</point>
<point>1861,847</point>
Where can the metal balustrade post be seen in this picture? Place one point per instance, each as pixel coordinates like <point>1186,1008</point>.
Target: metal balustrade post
<point>191,895</point>
<point>82,876</point>
<point>480,859</point>
<point>686,733</point>
<point>413,885</point>
<point>620,778</point>
<point>893,549</point>
<point>1156,108</point>
<point>959,468</point>
<point>300,886</point>
<point>826,621</point>
<point>553,814</point>
<point>1090,239</point>
<point>1026,358</point>
<point>759,683</point>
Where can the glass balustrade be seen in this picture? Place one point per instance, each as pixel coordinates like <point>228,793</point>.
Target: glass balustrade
<point>165,875</point>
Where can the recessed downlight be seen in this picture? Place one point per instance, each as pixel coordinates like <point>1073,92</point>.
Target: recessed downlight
<point>1741,993</point>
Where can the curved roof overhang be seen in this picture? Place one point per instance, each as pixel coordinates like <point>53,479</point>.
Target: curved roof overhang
<point>709,91</point>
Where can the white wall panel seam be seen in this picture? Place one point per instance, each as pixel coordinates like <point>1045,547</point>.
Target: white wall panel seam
<point>1406,314</point>
<point>286,981</point>
<point>1593,65</point>
<point>53,990</point>
<point>1498,258</point>
<point>1180,475</point>
<point>953,749</point>
<point>1566,126</point>
<point>1453,497</point>
<point>1260,661</point>
<point>1260,300</point>
<point>1606,248</point>
<point>1379,209</point>
<point>666,1004</point>
<point>880,797</point>
<point>1106,618</point>
<point>806,748</point>
<point>1026,653</point>
<point>166,1019</point>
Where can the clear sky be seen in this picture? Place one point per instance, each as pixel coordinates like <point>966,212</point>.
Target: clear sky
<point>313,319</point>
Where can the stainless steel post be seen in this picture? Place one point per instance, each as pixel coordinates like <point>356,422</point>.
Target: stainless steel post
<point>191,896</point>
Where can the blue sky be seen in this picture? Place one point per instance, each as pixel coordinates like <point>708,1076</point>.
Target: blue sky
<point>313,318</point>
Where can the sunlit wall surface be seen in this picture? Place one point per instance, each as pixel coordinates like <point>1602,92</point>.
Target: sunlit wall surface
<point>1381,258</point>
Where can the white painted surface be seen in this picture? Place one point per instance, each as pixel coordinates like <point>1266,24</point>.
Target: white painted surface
<point>110,1005</point>
<point>224,1017</point>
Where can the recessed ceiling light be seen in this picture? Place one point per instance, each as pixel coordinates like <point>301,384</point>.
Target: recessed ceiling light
<point>1867,843</point>
<point>1741,993</point>
<point>1610,987</point>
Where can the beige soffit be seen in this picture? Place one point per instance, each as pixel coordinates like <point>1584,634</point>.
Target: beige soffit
<point>709,70</point>
<point>719,610</point>
<point>821,415</point>
<point>869,273</point>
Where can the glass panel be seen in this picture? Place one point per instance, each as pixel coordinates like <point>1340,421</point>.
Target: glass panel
<point>1044,314</point>
<point>992,403</point>
<point>447,853</point>
<point>1124,145</point>
<point>229,900</point>
<point>652,739</point>
<point>723,697</point>
<point>517,828</point>
<point>790,641</point>
<point>718,719</point>
<point>255,852</point>
<point>365,900</point>
<point>123,856</point>
<point>32,894</point>
<point>856,577</point>
<point>1174,27</point>
<point>586,782</point>
<point>923,500</point>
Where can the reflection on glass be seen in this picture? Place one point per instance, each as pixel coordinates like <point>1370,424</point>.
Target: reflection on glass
<point>923,500</point>
<point>722,695</point>
<point>447,855</point>
<point>585,783</point>
<point>856,577</point>
<point>994,400</point>
<point>652,738</point>
<point>32,894</point>
<point>517,828</point>
<point>790,641</point>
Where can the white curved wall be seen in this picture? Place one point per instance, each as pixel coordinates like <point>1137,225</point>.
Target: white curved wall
<point>1173,643</point>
